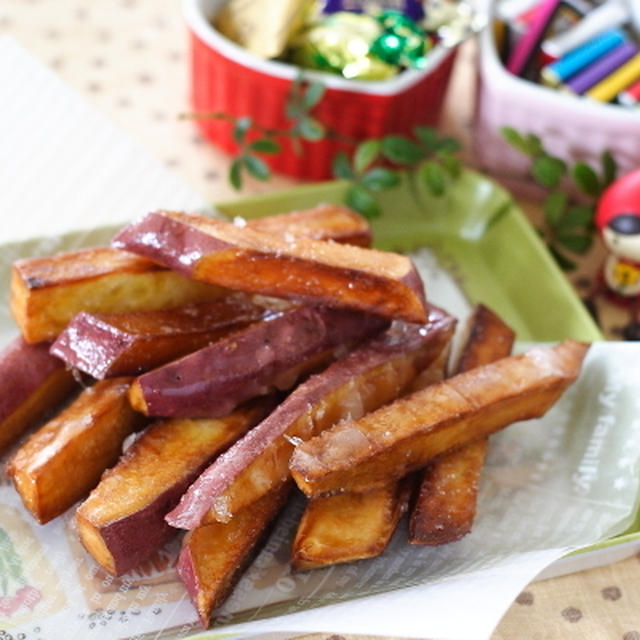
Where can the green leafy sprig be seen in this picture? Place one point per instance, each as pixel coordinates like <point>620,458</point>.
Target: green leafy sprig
<point>374,165</point>
<point>253,139</point>
<point>568,219</point>
<point>427,158</point>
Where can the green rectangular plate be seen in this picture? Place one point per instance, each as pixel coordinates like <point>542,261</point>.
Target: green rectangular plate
<point>483,239</point>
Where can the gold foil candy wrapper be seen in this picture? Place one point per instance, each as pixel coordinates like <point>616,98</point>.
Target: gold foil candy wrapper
<point>263,27</point>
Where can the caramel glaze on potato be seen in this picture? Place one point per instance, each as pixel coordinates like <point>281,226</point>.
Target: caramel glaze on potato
<point>317,272</point>
<point>348,526</point>
<point>265,356</point>
<point>351,526</point>
<point>325,222</point>
<point>403,436</point>
<point>445,504</point>
<point>108,345</point>
<point>47,292</point>
<point>214,556</point>
<point>62,461</point>
<point>365,379</point>
<point>121,523</point>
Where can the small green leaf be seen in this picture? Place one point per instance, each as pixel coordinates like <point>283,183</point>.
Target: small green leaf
<point>240,128</point>
<point>257,167</point>
<point>534,144</point>
<point>362,201</point>
<point>586,179</point>
<point>366,152</point>
<point>313,95</point>
<point>428,136</point>
<point>341,167</point>
<point>449,145</point>
<point>609,168</point>
<point>554,207</point>
<point>578,243</point>
<point>433,177</point>
<point>578,216</point>
<point>265,145</point>
<point>378,179</point>
<point>548,171</point>
<point>563,262</point>
<point>310,129</point>
<point>451,165</point>
<point>401,150</point>
<point>530,145</point>
<point>235,174</point>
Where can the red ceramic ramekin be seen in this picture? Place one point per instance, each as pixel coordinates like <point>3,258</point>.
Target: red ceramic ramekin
<point>226,78</point>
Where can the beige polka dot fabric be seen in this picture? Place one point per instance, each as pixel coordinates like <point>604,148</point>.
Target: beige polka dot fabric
<point>129,59</point>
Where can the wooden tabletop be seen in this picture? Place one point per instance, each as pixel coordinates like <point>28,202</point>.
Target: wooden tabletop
<point>128,58</point>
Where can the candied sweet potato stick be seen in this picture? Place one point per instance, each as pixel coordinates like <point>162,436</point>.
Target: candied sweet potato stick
<point>33,384</point>
<point>121,523</point>
<point>324,273</point>
<point>348,526</point>
<point>324,222</point>
<point>214,555</point>
<point>403,436</point>
<point>108,345</point>
<point>445,505</point>
<point>351,526</point>
<point>265,356</point>
<point>47,292</point>
<point>373,374</point>
<point>62,461</point>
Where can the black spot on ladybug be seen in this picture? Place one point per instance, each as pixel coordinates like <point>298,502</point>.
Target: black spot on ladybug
<point>627,224</point>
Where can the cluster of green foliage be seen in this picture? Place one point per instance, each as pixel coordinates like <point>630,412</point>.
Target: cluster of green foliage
<point>374,164</point>
<point>573,192</point>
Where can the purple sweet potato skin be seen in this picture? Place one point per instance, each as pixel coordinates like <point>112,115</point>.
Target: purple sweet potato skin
<point>92,345</point>
<point>136,537</point>
<point>211,382</point>
<point>23,368</point>
<point>401,338</point>
<point>27,370</point>
<point>167,240</point>
<point>108,345</point>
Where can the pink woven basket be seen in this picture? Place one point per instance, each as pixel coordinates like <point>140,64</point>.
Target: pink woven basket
<point>571,127</point>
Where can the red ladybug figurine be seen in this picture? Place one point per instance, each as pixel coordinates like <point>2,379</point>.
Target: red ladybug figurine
<point>618,221</point>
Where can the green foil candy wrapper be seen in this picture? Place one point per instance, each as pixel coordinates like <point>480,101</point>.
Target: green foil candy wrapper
<point>341,43</point>
<point>402,42</point>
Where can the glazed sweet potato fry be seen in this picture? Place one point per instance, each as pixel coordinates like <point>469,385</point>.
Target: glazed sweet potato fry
<point>445,505</point>
<point>121,523</point>
<point>213,556</point>
<point>364,454</point>
<point>47,292</point>
<point>351,526</point>
<point>324,222</point>
<point>109,345</point>
<point>62,461</point>
<point>265,356</point>
<point>348,526</point>
<point>375,373</point>
<point>34,383</point>
<point>321,273</point>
